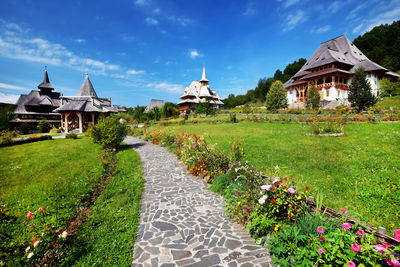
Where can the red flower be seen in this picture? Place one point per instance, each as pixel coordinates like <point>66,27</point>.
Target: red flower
<point>272,200</point>
<point>41,209</point>
<point>280,181</point>
<point>284,186</point>
<point>285,178</point>
<point>35,239</point>
<point>55,245</point>
<point>307,188</point>
<point>291,204</point>
<point>273,190</point>
<point>72,224</point>
<point>295,209</point>
<point>103,157</point>
<point>290,214</point>
<point>279,195</point>
<point>29,215</point>
<point>290,177</point>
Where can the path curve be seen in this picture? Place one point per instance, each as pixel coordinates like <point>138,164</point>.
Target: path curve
<point>182,223</point>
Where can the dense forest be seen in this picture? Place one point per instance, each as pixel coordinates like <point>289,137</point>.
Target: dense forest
<point>381,45</point>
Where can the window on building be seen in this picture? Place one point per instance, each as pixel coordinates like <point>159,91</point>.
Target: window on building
<point>340,80</point>
<point>344,80</point>
<point>327,93</point>
<point>336,79</point>
<point>328,80</point>
<point>338,93</point>
<point>320,81</point>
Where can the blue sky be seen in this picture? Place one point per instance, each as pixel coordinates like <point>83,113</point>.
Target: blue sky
<point>136,50</point>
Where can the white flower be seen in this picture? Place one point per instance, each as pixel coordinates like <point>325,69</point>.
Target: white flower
<point>64,234</point>
<point>262,199</point>
<point>276,180</point>
<point>30,255</point>
<point>27,249</point>
<point>266,187</point>
<point>36,244</point>
<point>42,234</point>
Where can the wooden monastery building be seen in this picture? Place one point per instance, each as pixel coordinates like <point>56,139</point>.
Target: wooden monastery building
<point>331,68</point>
<point>197,92</point>
<point>68,112</point>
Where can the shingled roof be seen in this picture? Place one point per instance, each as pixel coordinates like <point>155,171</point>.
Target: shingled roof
<point>154,103</point>
<point>46,85</point>
<point>87,88</point>
<point>338,50</point>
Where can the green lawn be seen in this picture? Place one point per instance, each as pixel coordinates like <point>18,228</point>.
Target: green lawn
<point>389,102</point>
<point>32,175</point>
<point>359,171</point>
<point>109,235</point>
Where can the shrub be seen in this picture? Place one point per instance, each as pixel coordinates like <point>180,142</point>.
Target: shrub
<point>327,128</point>
<point>71,135</point>
<point>313,97</point>
<point>237,150</point>
<point>24,128</point>
<point>109,132</point>
<point>44,126</point>
<point>360,93</point>
<point>232,118</point>
<point>55,130</point>
<point>7,137</point>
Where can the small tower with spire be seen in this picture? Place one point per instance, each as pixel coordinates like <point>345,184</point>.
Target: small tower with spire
<point>204,80</point>
<point>45,87</point>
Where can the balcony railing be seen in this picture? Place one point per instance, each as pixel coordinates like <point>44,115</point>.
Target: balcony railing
<point>342,86</point>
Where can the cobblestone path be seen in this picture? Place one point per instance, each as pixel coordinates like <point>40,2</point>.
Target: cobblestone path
<point>182,223</point>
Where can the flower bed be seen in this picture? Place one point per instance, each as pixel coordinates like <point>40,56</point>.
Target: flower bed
<point>301,235</point>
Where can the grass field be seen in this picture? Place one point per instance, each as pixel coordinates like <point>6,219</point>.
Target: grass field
<point>389,102</point>
<point>33,175</point>
<point>359,171</point>
<point>109,235</point>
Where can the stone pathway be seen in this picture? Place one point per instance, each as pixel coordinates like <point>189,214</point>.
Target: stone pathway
<point>182,223</point>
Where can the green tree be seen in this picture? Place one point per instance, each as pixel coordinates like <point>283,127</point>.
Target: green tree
<point>108,132</point>
<point>169,110</point>
<point>44,126</point>
<point>276,97</point>
<point>292,68</point>
<point>389,88</point>
<point>204,108</point>
<point>313,97</point>
<point>360,93</point>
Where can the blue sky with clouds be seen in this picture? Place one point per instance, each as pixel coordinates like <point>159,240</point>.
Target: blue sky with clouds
<point>136,50</point>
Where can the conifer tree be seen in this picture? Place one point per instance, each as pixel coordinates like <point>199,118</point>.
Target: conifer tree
<point>276,97</point>
<point>313,97</point>
<point>360,92</point>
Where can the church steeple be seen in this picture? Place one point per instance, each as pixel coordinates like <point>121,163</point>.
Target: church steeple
<point>45,86</point>
<point>87,88</point>
<point>203,77</point>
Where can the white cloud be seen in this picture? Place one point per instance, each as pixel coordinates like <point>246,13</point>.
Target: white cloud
<point>193,53</point>
<point>80,41</point>
<point>289,3</point>
<point>335,6</point>
<point>22,46</point>
<point>293,19</point>
<point>135,72</point>
<point>151,21</point>
<point>142,2</point>
<point>156,11</point>
<point>324,29</point>
<point>358,28</point>
<point>183,21</point>
<point>11,99</point>
<point>12,87</point>
<point>169,87</point>
<point>229,67</point>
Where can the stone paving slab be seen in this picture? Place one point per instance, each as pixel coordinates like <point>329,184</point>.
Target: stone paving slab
<point>182,223</point>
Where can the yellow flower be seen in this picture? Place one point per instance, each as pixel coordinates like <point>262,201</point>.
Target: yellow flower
<point>276,228</point>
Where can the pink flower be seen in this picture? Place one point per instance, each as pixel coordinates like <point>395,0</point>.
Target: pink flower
<point>346,225</point>
<point>390,262</point>
<point>322,239</point>
<point>29,215</point>
<point>380,249</point>
<point>343,210</point>
<point>64,234</point>
<point>355,247</point>
<point>320,230</point>
<point>320,251</point>
<point>360,232</point>
<point>351,264</point>
<point>36,243</point>
<point>397,234</point>
<point>41,209</point>
<point>318,210</point>
<point>291,190</point>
